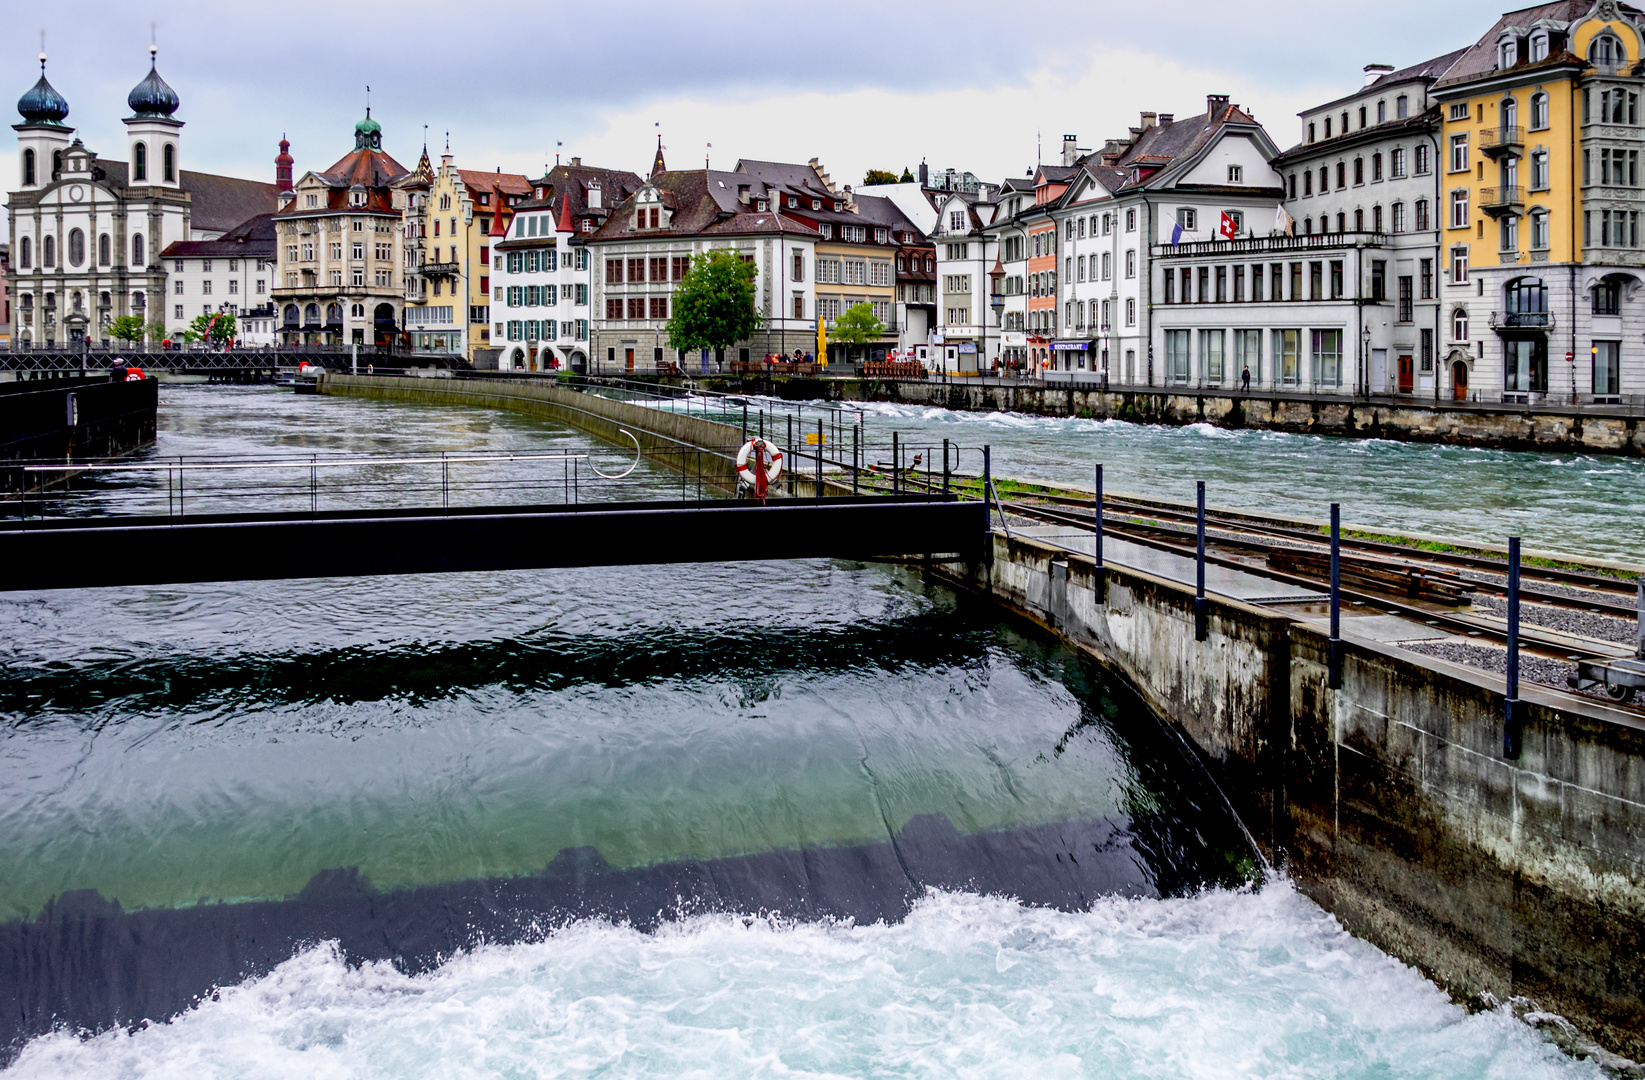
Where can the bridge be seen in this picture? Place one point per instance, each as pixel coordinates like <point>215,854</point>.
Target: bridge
<point>242,364</point>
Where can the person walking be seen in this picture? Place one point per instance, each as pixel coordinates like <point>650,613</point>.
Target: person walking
<point>1245,378</point>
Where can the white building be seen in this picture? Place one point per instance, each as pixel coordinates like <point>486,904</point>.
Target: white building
<point>540,286</point>
<point>232,274</point>
<point>967,340</point>
<point>87,233</point>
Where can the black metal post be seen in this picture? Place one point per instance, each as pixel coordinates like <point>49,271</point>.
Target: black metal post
<point>745,423</point>
<point>1640,650</point>
<point>791,450</point>
<point>1201,631</point>
<point>1511,706</point>
<point>819,457</point>
<point>896,465</point>
<point>945,466</point>
<point>1334,664</point>
<point>856,454</point>
<point>1097,517</point>
<point>988,486</point>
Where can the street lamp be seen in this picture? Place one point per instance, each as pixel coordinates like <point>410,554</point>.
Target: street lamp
<point>1365,360</point>
<point>996,300</point>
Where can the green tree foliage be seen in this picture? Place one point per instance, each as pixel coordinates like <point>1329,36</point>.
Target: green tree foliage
<point>128,328</point>
<point>714,303</point>
<point>157,330</point>
<point>857,325</point>
<point>879,176</point>
<point>907,177</point>
<point>217,328</point>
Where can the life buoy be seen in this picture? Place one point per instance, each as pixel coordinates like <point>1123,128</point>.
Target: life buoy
<point>768,453</point>
<point>134,374</point>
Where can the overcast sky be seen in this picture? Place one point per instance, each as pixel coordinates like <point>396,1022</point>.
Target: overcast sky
<point>960,83</point>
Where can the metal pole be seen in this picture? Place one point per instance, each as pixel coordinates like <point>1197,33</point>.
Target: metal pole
<point>1640,651</point>
<point>1098,517</point>
<point>987,486</point>
<point>945,466</point>
<point>896,465</point>
<point>819,457</point>
<point>745,422</point>
<point>856,454</point>
<point>1334,678</point>
<point>1200,629</point>
<point>792,450</point>
<point>1510,707</point>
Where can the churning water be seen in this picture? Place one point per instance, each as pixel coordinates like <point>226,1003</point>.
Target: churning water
<point>762,819</point>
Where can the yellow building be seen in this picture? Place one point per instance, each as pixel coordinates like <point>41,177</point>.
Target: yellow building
<point>450,217</point>
<point>1540,190</point>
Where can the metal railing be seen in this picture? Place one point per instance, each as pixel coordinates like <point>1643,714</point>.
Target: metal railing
<point>1501,138</point>
<point>1525,320</point>
<point>1501,196</point>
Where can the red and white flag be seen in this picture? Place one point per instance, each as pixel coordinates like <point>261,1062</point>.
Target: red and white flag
<point>1227,226</point>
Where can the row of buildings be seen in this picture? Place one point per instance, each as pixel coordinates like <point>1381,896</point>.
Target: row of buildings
<point>1464,227</point>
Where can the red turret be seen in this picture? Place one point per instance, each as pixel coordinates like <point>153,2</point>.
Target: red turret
<point>282,166</point>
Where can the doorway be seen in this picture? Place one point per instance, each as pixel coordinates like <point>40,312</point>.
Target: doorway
<point>1459,381</point>
<point>1407,375</point>
<point>628,359</point>
<point>1379,371</point>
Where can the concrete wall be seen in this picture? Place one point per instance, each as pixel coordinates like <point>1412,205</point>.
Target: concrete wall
<point>1389,801</point>
<point>670,438</point>
<point>108,419</point>
<point>1599,429</point>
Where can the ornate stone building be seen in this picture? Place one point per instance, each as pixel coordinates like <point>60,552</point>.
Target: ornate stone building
<point>339,244</point>
<point>87,232</point>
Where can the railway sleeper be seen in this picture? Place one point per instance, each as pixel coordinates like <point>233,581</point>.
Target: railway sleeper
<point>1385,578</point>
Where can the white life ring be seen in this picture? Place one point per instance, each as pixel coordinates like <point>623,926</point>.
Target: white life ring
<point>772,471</point>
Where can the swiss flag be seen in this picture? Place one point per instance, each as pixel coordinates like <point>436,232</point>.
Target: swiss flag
<point>1227,228</point>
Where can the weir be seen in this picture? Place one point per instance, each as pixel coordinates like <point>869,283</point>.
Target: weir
<point>1388,800</point>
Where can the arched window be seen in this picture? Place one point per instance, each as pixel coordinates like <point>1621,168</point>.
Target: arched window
<point>334,314</point>
<point>103,299</point>
<point>1539,46</point>
<point>48,252</point>
<point>24,255</point>
<point>138,303</point>
<point>311,315</point>
<point>1526,302</point>
<point>140,163</point>
<point>77,247</point>
<point>1606,51</point>
<point>104,250</point>
<point>56,163</point>
<point>290,315</point>
<point>1507,53</point>
<point>137,259</point>
<point>1539,111</point>
<point>28,168</point>
<point>1608,297</point>
<point>168,158</point>
<point>1510,112</point>
<point>1459,324</point>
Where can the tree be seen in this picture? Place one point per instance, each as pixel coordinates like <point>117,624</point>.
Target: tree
<point>858,326</point>
<point>157,330</point>
<point>879,176</point>
<point>907,177</point>
<point>128,328</point>
<point>714,303</point>
<point>218,328</point>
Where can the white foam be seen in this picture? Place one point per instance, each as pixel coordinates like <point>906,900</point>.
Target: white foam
<point>1219,985</point>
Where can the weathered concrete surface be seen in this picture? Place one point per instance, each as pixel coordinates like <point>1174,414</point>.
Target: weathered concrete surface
<point>677,440</point>
<point>1597,429</point>
<point>1389,801</point>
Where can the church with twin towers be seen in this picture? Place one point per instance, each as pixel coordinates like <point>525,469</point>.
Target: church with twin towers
<point>88,232</point>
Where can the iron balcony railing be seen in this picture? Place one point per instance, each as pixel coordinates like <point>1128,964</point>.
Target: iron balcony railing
<point>1263,245</point>
<point>1522,320</point>
<point>1501,197</point>
<point>1500,139</point>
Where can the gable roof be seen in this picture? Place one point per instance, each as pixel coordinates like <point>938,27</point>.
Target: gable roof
<point>253,238</point>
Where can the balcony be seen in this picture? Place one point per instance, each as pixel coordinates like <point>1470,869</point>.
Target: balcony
<point>438,269</point>
<point>1499,142</point>
<point>1266,245</point>
<point>1501,201</point>
<point>1522,320</point>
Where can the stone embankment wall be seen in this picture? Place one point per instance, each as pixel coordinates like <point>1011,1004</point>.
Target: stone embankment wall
<point>680,441</point>
<point>1461,423</point>
<point>73,417</point>
<point>1389,801</point>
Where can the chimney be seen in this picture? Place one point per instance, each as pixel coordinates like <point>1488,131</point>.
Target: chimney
<point>1373,72</point>
<point>925,174</point>
<point>1165,119</point>
<point>1148,120</point>
<point>576,161</point>
<point>593,194</point>
<point>1214,104</point>
<point>1070,150</point>
<point>742,194</point>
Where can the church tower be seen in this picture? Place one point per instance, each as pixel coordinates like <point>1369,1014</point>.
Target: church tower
<point>42,136</point>
<point>151,133</point>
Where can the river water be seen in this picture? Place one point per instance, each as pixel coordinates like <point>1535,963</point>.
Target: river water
<point>766,819</point>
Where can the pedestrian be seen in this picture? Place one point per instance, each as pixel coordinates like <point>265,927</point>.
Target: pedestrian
<point>1245,378</point>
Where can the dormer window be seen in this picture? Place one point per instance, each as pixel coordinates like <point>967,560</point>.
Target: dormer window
<point>761,204</point>
<point>816,204</point>
<point>1606,52</point>
<point>1539,46</point>
<point>838,206</point>
<point>485,200</point>
<point>882,236</point>
<point>1507,53</point>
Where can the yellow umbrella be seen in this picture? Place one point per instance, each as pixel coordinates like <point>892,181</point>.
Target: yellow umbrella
<point>822,341</point>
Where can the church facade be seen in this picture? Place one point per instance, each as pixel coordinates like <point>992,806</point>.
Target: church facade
<point>87,233</point>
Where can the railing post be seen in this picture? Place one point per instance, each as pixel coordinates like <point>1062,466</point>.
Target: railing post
<point>1640,650</point>
<point>1334,664</point>
<point>819,457</point>
<point>896,465</point>
<point>945,466</point>
<point>856,454</point>
<point>792,449</point>
<point>745,424</point>
<point>1511,715</point>
<point>988,487</point>
<point>1098,517</point>
<point>1201,631</point>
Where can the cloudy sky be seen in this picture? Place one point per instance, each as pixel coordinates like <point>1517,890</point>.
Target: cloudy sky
<point>959,83</point>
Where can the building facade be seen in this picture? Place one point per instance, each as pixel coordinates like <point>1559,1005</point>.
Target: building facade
<point>232,275</point>
<point>1541,242</point>
<point>968,338</point>
<point>87,233</point>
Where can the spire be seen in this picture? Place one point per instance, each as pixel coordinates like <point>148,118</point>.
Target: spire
<point>368,133</point>
<point>42,104</point>
<point>152,99</point>
<point>282,165</point>
<point>499,220</point>
<point>565,223</point>
<point>657,163</point>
